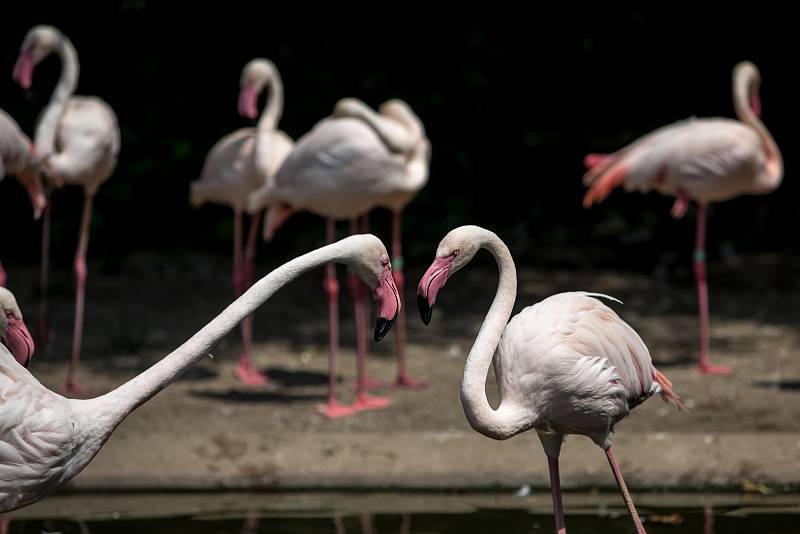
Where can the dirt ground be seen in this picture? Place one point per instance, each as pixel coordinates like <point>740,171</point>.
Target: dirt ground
<point>139,310</point>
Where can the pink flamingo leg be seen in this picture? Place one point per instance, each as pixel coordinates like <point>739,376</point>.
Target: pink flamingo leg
<point>705,366</point>
<point>43,321</point>
<point>367,524</point>
<point>3,276</point>
<point>403,379</point>
<point>5,522</point>
<point>245,370</point>
<point>332,408</point>
<point>71,387</point>
<point>637,522</point>
<point>358,291</point>
<point>555,488</point>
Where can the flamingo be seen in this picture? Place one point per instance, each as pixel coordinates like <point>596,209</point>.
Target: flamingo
<point>566,365</point>
<point>705,160</point>
<point>18,157</point>
<point>344,167</point>
<point>236,166</point>
<point>46,439</point>
<point>79,138</point>
<point>14,334</point>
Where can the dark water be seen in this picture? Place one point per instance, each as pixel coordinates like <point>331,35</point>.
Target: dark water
<point>463,515</point>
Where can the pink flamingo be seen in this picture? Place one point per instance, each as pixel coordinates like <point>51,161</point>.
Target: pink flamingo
<point>347,165</point>
<point>567,365</point>
<point>236,166</point>
<point>79,139</point>
<point>705,160</point>
<point>18,158</point>
<point>61,436</point>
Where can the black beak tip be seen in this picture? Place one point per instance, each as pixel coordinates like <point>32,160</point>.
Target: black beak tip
<point>382,327</point>
<point>425,310</point>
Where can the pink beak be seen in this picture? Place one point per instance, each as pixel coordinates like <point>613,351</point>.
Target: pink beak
<point>388,299</point>
<point>432,281</point>
<point>23,69</point>
<point>248,100</point>
<point>592,160</point>
<point>19,341</point>
<point>755,103</point>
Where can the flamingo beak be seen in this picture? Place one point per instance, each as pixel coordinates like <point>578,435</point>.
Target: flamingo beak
<point>19,341</point>
<point>432,281</point>
<point>388,299</point>
<point>248,101</point>
<point>23,69</point>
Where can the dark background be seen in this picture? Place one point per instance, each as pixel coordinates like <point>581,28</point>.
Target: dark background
<point>511,103</point>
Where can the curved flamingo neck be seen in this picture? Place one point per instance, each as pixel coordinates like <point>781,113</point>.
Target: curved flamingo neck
<point>67,83</point>
<point>109,410</point>
<point>509,419</point>
<point>744,85</point>
<point>274,108</point>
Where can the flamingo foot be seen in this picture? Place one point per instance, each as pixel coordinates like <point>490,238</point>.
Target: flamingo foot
<point>403,381</point>
<point>365,402</point>
<point>249,375</point>
<point>334,410</point>
<point>713,369</point>
<point>73,390</point>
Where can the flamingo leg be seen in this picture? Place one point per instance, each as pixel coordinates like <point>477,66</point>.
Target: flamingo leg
<point>367,524</point>
<point>405,524</point>
<point>245,370</point>
<point>3,276</point>
<point>403,379</point>
<point>359,294</point>
<point>637,522</point>
<point>332,408</point>
<point>555,489</point>
<point>5,522</point>
<point>71,387</point>
<point>43,321</point>
<point>699,263</point>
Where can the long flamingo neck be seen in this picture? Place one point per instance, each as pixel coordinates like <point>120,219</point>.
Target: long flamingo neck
<point>68,81</point>
<point>743,87</point>
<point>274,108</point>
<point>508,419</point>
<point>116,405</point>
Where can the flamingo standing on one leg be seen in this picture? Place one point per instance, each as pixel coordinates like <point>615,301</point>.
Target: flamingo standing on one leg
<point>348,164</point>
<point>567,365</point>
<point>705,160</point>
<point>78,136</point>
<point>61,435</point>
<point>18,158</point>
<point>237,165</point>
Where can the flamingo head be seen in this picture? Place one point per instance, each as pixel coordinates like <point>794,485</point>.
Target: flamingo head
<point>38,44</point>
<point>455,251</point>
<point>13,332</point>
<point>369,261</point>
<point>256,74</point>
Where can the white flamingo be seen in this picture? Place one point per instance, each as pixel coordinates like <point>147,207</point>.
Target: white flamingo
<point>46,439</point>
<point>78,137</point>
<point>567,365</point>
<point>14,334</point>
<point>237,165</point>
<point>705,160</point>
<point>18,158</point>
<point>348,164</point>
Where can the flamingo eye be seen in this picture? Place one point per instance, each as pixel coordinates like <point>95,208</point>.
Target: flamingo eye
<point>385,261</point>
<point>456,252</point>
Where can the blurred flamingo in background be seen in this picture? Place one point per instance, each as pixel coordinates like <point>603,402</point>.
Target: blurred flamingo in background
<point>566,365</point>
<point>239,164</point>
<point>18,158</point>
<point>79,139</point>
<point>705,160</point>
<point>61,436</point>
<point>344,167</point>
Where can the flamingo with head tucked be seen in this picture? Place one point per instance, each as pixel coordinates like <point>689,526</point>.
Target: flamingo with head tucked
<point>567,365</point>
<point>239,164</point>
<point>705,160</point>
<point>18,158</point>
<point>78,138</point>
<point>61,436</point>
<point>348,164</point>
